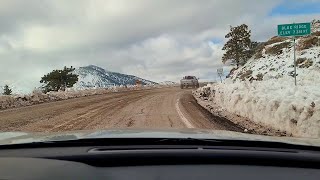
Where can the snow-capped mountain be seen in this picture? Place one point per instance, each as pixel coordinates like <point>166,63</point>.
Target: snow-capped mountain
<point>94,77</point>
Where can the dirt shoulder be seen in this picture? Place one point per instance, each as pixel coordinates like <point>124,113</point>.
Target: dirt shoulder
<point>202,118</point>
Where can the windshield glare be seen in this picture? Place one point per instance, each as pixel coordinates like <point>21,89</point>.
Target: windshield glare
<point>172,68</point>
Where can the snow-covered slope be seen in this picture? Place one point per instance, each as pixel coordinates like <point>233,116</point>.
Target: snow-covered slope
<point>274,58</point>
<point>168,83</point>
<point>315,25</point>
<point>96,77</point>
<point>276,61</point>
<point>263,89</point>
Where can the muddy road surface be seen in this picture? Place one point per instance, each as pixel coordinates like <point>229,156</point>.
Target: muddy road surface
<point>152,109</point>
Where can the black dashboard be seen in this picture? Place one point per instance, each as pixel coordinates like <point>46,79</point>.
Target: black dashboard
<point>35,168</point>
<point>165,161</point>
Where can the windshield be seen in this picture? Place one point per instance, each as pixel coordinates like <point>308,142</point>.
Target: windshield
<point>189,77</point>
<point>71,66</point>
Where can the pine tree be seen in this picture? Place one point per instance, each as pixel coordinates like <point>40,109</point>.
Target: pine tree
<point>59,79</point>
<point>252,48</point>
<point>7,90</point>
<point>238,47</point>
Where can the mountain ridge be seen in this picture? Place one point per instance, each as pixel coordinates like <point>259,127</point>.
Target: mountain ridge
<point>93,76</point>
<point>90,77</point>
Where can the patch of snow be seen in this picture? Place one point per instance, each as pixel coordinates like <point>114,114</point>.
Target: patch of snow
<point>168,83</point>
<point>7,135</point>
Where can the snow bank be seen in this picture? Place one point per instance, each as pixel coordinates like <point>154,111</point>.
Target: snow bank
<point>276,103</point>
<point>263,89</point>
<point>37,97</point>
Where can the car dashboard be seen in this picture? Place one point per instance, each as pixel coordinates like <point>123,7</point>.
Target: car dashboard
<point>169,161</point>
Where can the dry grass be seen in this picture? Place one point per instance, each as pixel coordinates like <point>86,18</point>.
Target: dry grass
<point>276,39</point>
<point>259,51</point>
<point>259,77</point>
<point>232,72</point>
<point>258,55</point>
<point>277,49</point>
<point>245,75</point>
<point>308,42</point>
<point>313,105</point>
<point>300,61</point>
<point>306,64</point>
<point>316,33</point>
<point>272,50</point>
<point>310,112</point>
<point>294,122</point>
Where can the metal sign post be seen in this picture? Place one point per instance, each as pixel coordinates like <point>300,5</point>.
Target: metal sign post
<point>294,61</point>
<point>220,73</point>
<point>295,29</point>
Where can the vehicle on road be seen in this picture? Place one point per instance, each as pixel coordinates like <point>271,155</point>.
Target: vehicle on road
<point>189,81</point>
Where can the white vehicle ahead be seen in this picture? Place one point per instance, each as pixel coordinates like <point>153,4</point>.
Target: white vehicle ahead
<point>189,81</point>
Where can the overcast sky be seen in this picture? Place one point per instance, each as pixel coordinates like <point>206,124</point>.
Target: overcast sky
<point>154,39</point>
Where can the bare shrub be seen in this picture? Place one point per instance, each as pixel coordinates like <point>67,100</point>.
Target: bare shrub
<point>308,42</point>
<point>246,75</point>
<point>300,60</point>
<point>306,64</point>
<point>278,48</point>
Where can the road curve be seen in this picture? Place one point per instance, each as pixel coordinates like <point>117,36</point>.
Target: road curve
<point>152,109</point>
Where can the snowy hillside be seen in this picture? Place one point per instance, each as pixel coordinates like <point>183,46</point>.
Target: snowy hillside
<point>94,77</point>
<point>275,60</point>
<point>263,89</point>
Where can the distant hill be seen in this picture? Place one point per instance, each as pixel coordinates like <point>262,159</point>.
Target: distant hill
<point>96,77</point>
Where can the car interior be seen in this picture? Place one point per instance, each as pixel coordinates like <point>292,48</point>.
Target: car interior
<point>154,158</point>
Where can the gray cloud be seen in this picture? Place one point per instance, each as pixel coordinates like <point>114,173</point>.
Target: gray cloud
<point>157,40</point>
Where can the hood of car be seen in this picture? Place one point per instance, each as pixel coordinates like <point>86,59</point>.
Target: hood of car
<point>22,137</point>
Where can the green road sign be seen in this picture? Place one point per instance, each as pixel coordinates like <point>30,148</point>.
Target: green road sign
<point>297,29</point>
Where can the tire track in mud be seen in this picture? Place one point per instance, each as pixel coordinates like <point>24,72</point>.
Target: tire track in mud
<point>18,119</point>
<point>89,119</point>
<point>133,111</point>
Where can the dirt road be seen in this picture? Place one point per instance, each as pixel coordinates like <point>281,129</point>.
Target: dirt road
<point>152,109</point>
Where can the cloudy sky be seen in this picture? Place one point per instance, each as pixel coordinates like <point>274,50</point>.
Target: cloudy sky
<point>153,39</point>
